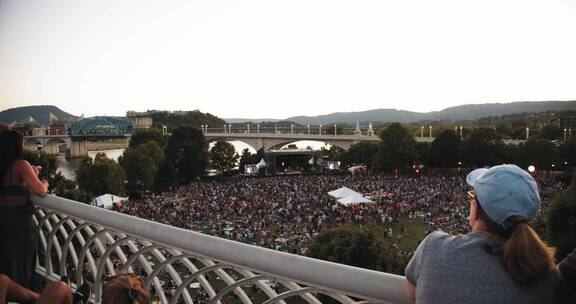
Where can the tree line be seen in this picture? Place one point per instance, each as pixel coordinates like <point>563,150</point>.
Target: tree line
<point>480,147</point>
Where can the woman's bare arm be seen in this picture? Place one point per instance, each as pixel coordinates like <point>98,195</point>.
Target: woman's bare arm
<point>411,291</point>
<point>30,178</point>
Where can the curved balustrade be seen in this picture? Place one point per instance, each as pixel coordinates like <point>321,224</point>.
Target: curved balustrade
<point>88,244</point>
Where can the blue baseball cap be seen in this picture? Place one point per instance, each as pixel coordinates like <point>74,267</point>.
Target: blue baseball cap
<point>504,191</point>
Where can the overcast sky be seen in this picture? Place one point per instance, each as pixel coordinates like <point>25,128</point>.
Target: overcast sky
<point>275,59</point>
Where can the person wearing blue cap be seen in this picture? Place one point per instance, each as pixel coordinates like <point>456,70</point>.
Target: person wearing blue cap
<point>503,260</point>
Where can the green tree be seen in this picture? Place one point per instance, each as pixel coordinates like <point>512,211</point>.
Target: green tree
<point>144,136</point>
<point>223,156</point>
<point>141,165</point>
<point>187,150</point>
<point>483,147</point>
<point>518,130</point>
<point>423,153</point>
<point>504,130</point>
<point>60,186</point>
<point>445,150</point>
<point>561,221</point>
<point>245,159</point>
<point>539,152</point>
<point>550,133</point>
<point>357,246</point>
<point>192,118</point>
<point>166,176</point>
<point>290,147</point>
<point>513,154</point>
<point>567,153</point>
<point>331,153</point>
<point>101,176</point>
<point>397,150</point>
<point>359,153</point>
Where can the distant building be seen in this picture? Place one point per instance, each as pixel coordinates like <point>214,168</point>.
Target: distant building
<point>139,120</point>
<point>39,131</point>
<point>56,129</point>
<point>541,120</point>
<point>24,130</point>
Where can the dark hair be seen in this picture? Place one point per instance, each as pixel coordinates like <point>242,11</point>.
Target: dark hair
<point>526,257</point>
<point>10,150</point>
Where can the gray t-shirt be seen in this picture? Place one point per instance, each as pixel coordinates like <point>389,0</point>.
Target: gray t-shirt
<point>457,269</point>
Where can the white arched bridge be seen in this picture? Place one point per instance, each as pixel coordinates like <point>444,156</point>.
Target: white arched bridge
<point>88,244</point>
<point>269,139</point>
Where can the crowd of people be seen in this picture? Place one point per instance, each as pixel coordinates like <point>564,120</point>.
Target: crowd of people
<point>285,212</point>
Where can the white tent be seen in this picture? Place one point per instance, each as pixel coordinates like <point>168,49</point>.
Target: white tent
<point>353,169</point>
<point>353,199</point>
<point>107,200</point>
<point>342,192</point>
<point>261,164</point>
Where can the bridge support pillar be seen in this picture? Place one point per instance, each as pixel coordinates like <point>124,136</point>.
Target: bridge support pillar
<point>260,145</point>
<point>78,149</point>
<point>51,149</point>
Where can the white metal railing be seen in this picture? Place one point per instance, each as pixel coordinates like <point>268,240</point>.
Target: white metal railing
<point>87,243</point>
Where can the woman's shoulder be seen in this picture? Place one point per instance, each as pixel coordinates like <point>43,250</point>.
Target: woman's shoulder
<point>21,162</point>
<point>441,239</point>
<point>436,236</point>
<point>20,165</point>
<point>19,168</point>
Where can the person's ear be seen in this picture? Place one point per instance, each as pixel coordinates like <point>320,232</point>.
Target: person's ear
<point>474,210</point>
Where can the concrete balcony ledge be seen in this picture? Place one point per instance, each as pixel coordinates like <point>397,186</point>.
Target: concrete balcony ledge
<point>87,243</point>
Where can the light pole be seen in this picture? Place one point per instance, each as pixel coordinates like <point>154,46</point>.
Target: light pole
<point>291,128</point>
<point>258,128</point>
<point>248,128</point>
<point>320,130</point>
<point>335,130</point>
<point>308,126</point>
<point>430,134</point>
<point>460,132</point>
<point>224,128</point>
<point>421,131</point>
<point>527,132</point>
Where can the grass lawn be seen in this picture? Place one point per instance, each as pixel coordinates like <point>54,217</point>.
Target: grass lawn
<point>415,229</point>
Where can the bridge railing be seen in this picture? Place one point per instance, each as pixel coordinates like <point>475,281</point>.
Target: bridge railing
<point>313,130</point>
<point>87,244</point>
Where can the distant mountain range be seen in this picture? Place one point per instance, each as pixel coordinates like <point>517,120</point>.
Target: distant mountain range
<point>40,114</point>
<point>458,113</point>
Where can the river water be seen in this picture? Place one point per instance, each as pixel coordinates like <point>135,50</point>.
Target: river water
<point>68,168</point>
